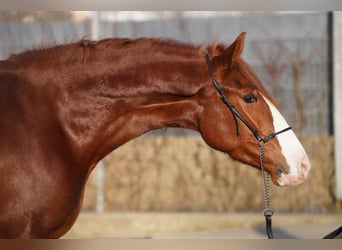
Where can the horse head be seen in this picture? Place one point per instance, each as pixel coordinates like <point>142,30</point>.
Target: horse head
<point>284,158</point>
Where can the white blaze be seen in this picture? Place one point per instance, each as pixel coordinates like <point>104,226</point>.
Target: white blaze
<point>292,150</point>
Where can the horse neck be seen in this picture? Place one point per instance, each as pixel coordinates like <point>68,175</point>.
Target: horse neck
<point>106,111</point>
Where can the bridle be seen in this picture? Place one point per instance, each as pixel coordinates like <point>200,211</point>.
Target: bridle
<point>261,141</point>
<point>236,113</point>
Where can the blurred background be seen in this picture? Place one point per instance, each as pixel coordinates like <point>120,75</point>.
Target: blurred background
<point>169,180</point>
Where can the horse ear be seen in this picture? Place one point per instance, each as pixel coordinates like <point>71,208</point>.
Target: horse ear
<point>238,45</point>
<point>234,51</point>
<point>231,53</point>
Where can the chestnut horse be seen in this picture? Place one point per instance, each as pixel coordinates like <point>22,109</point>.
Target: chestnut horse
<point>64,108</point>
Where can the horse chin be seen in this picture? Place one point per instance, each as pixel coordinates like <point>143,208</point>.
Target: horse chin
<point>276,180</point>
<point>288,180</point>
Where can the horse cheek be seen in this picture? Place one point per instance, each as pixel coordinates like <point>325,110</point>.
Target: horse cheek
<point>216,133</point>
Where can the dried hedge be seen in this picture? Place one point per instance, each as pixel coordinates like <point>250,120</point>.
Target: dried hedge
<point>166,173</point>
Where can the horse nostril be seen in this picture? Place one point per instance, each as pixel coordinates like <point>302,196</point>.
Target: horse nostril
<point>281,170</point>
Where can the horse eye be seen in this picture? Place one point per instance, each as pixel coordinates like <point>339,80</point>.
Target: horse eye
<point>250,98</point>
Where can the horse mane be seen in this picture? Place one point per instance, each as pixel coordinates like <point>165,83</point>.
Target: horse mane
<point>166,45</point>
<point>44,48</point>
<point>158,42</point>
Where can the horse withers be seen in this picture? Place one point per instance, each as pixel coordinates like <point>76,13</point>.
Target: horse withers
<point>64,108</point>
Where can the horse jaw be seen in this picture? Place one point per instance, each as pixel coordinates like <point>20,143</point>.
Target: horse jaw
<point>296,158</point>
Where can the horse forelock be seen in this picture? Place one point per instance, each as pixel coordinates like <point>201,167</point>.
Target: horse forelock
<point>214,49</point>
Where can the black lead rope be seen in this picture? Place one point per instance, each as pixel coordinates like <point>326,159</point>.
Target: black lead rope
<point>268,212</point>
<point>261,140</point>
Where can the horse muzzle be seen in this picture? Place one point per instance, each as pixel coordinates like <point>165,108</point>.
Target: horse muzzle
<point>297,174</point>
